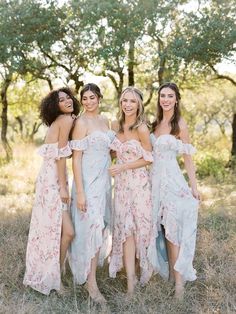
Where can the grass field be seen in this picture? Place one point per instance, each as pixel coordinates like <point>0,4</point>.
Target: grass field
<point>213,292</point>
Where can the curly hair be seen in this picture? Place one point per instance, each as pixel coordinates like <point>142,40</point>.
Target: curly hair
<point>174,122</point>
<point>140,113</point>
<point>49,107</point>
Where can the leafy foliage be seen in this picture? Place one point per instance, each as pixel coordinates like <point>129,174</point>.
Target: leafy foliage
<point>211,166</point>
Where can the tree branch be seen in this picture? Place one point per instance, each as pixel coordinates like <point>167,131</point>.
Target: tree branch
<point>222,76</point>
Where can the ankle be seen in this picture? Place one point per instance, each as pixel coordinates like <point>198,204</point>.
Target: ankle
<point>92,285</point>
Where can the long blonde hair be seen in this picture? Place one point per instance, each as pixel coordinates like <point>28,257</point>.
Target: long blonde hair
<point>140,113</point>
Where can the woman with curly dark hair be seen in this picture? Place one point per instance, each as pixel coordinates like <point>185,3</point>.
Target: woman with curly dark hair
<point>51,229</point>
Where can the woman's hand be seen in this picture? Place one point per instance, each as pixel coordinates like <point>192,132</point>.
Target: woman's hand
<point>117,169</point>
<point>81,202</point>
<point>196,194</point>
<point>64,194</point>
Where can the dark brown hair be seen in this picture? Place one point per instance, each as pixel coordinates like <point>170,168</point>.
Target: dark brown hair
<point>49,107</point>
<point>140,113</point>
<point>174,122</point>
<point>91,87</point>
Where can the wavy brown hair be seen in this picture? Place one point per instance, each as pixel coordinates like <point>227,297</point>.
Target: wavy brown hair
<point>49,107</point>
<point>140,113</point>
<point>174,122</point>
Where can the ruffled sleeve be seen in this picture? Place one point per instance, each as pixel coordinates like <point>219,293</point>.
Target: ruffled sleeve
<point>185,148</point>
<point>79,144</point>
<point>64,151</point>
<point>51,151</point>
<point>147,155</point>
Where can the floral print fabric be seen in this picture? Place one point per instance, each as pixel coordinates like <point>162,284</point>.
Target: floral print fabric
<point>43,248</point>
<point>174,206</point>
<point>132,208</point>
<point>92,228</point>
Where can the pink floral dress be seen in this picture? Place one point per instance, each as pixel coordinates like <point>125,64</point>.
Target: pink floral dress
<point>43,248</point>
<point>132,208</point>
<point>174,206</point>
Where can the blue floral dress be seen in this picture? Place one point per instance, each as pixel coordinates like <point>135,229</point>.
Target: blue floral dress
<point>174,206</point>
<point>92,228</point>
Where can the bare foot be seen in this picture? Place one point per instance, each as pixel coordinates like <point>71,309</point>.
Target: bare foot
<point>95,294</point>
<point>179,291</point>
<point>171,278</point>
<point>131,283</point>
<point>63,291</point>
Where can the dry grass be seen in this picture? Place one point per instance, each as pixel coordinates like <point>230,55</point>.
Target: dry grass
<point>213,292</point>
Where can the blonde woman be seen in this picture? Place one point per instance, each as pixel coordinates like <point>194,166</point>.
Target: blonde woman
<point>132,221</point>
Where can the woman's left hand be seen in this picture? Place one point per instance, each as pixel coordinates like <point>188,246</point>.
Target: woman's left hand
<point>116,169</point>
<point>196,194</point>
<point>64,194</point>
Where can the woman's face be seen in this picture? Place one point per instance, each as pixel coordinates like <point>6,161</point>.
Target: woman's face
<point>65,103</point>
<point>167,99</point>
<point>129,104</point>
<point>90,101</point>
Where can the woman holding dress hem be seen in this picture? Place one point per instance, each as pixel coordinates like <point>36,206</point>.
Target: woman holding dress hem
<point>174,203</point>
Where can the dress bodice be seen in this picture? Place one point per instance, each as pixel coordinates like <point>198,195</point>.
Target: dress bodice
<point>130,150</point>
<point>98,141</point>
<point>167,147</point>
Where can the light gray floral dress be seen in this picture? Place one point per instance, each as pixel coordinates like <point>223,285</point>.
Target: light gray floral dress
<point>174,206</point>
<point>92,228</point>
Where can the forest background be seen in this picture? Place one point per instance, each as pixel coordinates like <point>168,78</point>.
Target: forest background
<point>115,43</point>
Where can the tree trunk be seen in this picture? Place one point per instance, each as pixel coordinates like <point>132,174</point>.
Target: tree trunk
<point>4,101</point>
<point>161,70</point>
<point>19,120</point>
<point>233,151</point>
<point>121,83</point>
<point>34,130</point>
<point>118,85</point>
<point>50,84</point>
<point>131,63</point>
<point>78,83</point>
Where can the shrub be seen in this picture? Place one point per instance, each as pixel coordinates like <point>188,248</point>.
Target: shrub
<point>211,166</point>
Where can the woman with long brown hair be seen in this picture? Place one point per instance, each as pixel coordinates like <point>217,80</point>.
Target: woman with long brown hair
<point>175,204</point>
<point>91,192</point>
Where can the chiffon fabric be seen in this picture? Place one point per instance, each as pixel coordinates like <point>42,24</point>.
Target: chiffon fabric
<point>93,227</point>
<point>132,208</point>
<point>43,248</point>
<point>174,206</point>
